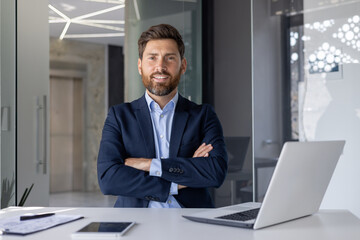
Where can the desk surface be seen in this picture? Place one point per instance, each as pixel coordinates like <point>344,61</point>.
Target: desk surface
<point>168,224</point>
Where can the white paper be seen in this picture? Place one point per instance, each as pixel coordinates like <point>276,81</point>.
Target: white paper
<point>13,225</point>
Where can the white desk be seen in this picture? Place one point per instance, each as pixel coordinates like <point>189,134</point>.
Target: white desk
<point>168,224</point>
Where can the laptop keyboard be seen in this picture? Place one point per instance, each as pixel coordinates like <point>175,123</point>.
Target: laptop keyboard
<point>242,216</point>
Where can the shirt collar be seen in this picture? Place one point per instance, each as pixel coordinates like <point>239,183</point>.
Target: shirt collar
<point>169,106</point>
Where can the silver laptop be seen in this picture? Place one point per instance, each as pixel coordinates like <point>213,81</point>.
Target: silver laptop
<point>296,189</point>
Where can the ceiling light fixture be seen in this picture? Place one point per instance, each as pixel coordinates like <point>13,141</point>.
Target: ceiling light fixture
<point>137,10</point>
<point>66,18</point>
<point>105,21</point>
<point>99,25</point>
<point>94,35</point>
<point>59,13</point>
<point>107,1</point>
<point>61,20</point>
<point>99,12</point>
<point>65,30</point>
<point>56,20</point>
<point>88,22</point>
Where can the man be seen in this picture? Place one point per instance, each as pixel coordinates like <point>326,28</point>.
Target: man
<point>161,150</point>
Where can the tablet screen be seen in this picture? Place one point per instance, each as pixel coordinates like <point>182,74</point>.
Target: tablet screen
<point>106,227</point>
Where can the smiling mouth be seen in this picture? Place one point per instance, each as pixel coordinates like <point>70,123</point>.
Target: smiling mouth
<point>160,78</point>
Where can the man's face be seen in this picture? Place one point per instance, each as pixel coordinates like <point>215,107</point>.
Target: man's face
<point>161,66</point>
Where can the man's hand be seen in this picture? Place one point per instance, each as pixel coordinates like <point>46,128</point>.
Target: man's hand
<point>203,150</point>
<point>139,163</point>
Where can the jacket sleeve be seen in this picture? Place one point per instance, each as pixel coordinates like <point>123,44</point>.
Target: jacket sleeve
<point>201,172</point>
<point>117,179</point>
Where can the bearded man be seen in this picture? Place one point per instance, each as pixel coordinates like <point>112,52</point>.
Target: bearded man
<point>161,150</point>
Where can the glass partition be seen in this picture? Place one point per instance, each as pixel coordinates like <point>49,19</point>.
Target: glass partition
<point>315,46</point>
<point>329,90</point>
<point>186,17</point>
<point>8,94</point>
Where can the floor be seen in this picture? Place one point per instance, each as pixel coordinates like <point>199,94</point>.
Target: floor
<point>81,199</point>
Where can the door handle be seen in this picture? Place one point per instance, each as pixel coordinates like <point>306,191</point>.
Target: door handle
<point>41,134</point>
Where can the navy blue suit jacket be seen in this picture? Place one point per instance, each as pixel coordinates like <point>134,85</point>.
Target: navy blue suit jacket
<point>128,133</point>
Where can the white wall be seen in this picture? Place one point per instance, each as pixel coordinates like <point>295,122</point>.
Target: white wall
<point>341,120</point>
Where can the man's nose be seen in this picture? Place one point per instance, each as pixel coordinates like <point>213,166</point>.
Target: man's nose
<point>160,66</point>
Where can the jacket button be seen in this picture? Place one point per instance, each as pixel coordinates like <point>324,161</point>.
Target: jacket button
<point>171,169</point>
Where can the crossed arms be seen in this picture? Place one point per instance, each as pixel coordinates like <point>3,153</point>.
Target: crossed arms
<point>123,162</point>
<point>145,163</point>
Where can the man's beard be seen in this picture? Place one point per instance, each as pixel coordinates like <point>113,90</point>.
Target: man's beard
<point>161,89</point>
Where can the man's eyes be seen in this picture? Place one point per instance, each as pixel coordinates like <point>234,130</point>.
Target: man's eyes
<point>170,58</point>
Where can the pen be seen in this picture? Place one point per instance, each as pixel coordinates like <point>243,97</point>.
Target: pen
<point>35,216</point>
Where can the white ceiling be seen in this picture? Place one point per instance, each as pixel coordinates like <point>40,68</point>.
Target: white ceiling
<point>67,12</point>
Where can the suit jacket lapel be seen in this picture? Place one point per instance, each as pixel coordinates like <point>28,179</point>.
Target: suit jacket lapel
<point>179,122</point>
<point>144,121</point>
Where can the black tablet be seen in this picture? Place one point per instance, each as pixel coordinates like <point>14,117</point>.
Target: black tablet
<point>104,230</point>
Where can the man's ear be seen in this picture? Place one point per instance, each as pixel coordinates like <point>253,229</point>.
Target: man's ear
<point>183,65</point>
<point>139,66</point>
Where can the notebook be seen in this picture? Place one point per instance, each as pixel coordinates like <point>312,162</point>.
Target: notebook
<point>296,189</point>
<point>15,226</point>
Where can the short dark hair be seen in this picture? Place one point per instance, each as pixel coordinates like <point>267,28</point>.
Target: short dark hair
<point>161,31</point>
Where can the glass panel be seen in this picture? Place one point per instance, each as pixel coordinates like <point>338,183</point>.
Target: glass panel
<point>325,105</point>
<point>320,88</point>
<point>267,92</point>
<point>329,102</point>
<point>186,17</point>
<point>7,69</point>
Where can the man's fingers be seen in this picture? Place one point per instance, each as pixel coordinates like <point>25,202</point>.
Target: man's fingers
<point>198,150</point>
<point>203,150</point>
<point>181,187</point>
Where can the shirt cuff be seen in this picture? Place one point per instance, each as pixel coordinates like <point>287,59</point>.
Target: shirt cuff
<point>174,189</point>
<point>155,167</point>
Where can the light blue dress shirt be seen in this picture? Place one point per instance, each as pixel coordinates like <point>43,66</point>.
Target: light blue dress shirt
<point>162,123</point>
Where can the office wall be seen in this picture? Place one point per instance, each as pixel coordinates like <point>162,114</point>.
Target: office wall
<point>232,61</point>
<point>233,79</point>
